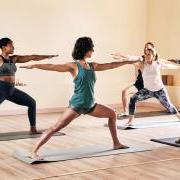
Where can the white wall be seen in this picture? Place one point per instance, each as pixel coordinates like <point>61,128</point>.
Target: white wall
<point>163,28</point>
<point>52,26</point>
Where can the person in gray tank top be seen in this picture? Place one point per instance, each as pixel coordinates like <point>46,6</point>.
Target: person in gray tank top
<point>7,80</point>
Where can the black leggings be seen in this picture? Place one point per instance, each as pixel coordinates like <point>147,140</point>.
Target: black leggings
<point>10,93</point>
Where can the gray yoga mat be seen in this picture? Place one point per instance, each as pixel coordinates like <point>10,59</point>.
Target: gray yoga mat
<point>145,114</point>
<point>75,153</point>
<point>168,141</point>
<point>22,135</point>
<point>151,124</point>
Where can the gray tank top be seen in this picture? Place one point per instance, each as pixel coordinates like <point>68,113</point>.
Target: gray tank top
<point>8,68</point>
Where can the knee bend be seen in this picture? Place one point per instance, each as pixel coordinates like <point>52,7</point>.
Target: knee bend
<point>112,116</point>
<point>32,103</point>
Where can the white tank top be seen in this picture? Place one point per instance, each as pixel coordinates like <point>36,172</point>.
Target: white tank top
<point>152,76</point>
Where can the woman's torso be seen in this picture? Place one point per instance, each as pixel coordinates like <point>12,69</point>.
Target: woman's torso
<point>152,76</point>
<point>84,87</point>
<point>7,70</point>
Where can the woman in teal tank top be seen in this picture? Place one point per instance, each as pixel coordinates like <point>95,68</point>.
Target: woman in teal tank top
<point>82,101</point>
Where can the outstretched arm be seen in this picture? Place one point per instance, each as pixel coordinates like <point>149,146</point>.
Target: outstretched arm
<point>166,64</point>
<point>112,65</point>
<point>176,61</point>
<point>51,67</point>
<point>126,57</point>
<point>27,58</point>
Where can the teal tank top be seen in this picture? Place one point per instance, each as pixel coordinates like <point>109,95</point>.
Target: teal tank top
<point>84,88</point>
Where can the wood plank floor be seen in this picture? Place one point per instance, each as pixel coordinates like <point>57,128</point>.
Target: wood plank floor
<point>162,162</point>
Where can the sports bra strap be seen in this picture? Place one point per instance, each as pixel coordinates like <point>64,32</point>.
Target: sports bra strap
<point>7,60</point>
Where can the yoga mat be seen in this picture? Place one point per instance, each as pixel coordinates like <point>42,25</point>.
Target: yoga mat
<point>168,141</point>
<point>153,124</point>
<point>145,114</point>
<point>75,153</point>
<point>22,135</point>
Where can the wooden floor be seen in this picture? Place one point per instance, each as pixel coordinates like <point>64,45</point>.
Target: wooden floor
<point>162,163</point>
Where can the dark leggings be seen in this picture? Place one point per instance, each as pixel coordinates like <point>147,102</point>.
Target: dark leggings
<point>10,93</point>
<point>144,94</point>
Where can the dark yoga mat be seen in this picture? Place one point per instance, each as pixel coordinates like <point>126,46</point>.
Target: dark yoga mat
<point>145,114</point>
<point>75,153</point>
<point>168,141</point>
<point>22,135</point>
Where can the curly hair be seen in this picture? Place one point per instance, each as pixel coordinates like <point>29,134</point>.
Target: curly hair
<point>81,47</point>
<point>4,42</point>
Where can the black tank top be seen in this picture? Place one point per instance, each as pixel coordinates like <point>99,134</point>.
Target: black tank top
<point>8,68</point>
<point>139,84</point>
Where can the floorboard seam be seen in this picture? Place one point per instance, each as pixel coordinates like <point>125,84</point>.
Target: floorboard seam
<point>106,168</point>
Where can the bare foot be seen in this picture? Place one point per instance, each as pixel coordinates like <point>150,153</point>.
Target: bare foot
<point>36,157</point>
<point>33,130</point>
<point>120,146</point>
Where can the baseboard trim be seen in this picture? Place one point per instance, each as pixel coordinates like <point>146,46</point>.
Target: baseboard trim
<point>62,109</point>
<point>24,111</point>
